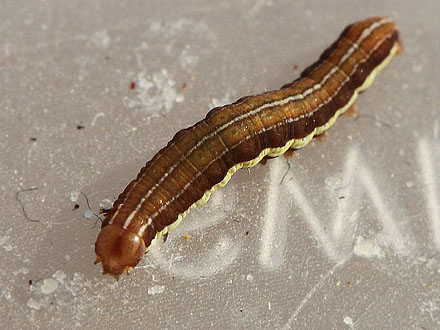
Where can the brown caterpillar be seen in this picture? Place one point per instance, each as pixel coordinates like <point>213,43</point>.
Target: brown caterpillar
<point>202,158</point>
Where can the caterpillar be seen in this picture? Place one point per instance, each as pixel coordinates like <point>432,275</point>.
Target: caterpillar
<point>202,158</point>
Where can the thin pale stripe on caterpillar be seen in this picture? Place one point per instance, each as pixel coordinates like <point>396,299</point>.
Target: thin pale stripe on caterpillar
<point>202,158</point>
<point>292,98</point>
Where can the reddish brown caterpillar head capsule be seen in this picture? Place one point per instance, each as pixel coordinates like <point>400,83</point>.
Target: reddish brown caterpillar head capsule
<point>118,249</point>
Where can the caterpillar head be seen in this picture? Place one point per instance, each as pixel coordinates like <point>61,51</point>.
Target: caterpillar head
<point>118,250</point>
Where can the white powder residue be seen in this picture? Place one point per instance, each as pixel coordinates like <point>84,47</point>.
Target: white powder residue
<point>60,276</point>
<point>367,247</point>
<point>23,270</point>
<point>3,239</point>
<point>88,214</point>
<point>58,290</point>
<point>74,195</point>
<point>157,289</point>
<point>106,204</point>
<point>49,285</point>
<point>34,304</point>
<point>348,320</point>
<point>155,92</point>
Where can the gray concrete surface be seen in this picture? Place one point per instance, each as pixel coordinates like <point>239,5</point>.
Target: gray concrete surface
<point>345,234</point>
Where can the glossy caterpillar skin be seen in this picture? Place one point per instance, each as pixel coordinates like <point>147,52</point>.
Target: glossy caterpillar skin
<point>202,158</point>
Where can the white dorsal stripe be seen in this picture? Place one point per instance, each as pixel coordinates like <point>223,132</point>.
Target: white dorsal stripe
<point>251,113</point>
<point>290,120</point>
